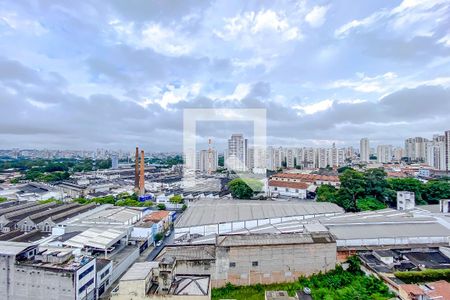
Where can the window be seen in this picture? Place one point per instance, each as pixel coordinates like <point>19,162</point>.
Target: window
<point>254,263</point>
<point>275,188</point>
<point>232,264</point>
<point>104,274</point>
<point>296,190</point>
<point>81,289</point>
<point>287,190</point>
<point>85,272</point>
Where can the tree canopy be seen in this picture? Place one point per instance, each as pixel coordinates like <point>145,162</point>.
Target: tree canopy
<point>244,188</point>
<point>372,190</point>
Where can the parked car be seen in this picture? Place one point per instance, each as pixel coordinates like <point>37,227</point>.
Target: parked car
<point>168,233</point>
<point>159,243</point>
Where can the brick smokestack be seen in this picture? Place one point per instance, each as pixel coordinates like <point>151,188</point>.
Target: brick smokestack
<point>141,175</point>
<point>136,170</point>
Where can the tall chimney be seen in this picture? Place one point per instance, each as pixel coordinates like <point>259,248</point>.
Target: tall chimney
<point>136,170</point>
<point>141,175</point>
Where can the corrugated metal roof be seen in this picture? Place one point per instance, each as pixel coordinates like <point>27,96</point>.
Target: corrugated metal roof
<point>99,238</point>
<point>208,211</point>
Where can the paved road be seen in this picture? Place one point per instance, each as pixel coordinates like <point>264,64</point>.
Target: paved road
<point>157,250</point>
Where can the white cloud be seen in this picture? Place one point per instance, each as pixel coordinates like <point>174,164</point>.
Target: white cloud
<point>309,109</point>
<point>316,17</point>
<point>259,23</point>
<point>445,40</point>
<point>411,18</point>
<point>172,94</point>
<point>161,39</point>
<point>365,84</point>
<point>19,23</point>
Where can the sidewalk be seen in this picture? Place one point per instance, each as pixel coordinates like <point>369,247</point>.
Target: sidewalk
<point>143,256</point>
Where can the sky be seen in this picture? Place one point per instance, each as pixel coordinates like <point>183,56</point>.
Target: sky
<point>119,73</point>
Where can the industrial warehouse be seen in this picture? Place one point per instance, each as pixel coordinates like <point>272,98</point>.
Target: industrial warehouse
<point>211,216</point>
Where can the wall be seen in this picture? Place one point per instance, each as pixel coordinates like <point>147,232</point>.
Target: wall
<point>119,269</point>
<point>400,241</point>
<point>276,263</point>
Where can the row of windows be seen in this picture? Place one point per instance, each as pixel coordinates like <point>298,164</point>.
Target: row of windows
<point>233,264</point>
<point>286,189</point>
<point>104,274</point>
<point>84,287</point>
<point>85,272</point>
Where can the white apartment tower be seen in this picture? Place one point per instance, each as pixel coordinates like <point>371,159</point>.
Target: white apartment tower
<point>237,153</point>
<point>207,161</point>
<point>364,150</point>
<point>415,148</point>
<point>447,150</point>
<point>384,153</point>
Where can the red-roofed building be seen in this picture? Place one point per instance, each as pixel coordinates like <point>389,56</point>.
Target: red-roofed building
<point>432,290</point>
<point>288,189</point>
<point>307,178</point>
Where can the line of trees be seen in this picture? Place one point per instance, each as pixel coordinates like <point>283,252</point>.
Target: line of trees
<point>123,199</point>
<point>372,190</point>
<point>51,170</point>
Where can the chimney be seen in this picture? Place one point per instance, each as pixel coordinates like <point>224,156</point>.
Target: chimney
<point>136,170</point>
<point>141,175</point>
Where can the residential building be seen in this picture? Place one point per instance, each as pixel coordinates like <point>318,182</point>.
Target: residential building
<point>207,161</point>
<point>415,148</point>
<point>447,150</point>
<point>236,158</point>
<point>364,150</point>
<point>384,153</point>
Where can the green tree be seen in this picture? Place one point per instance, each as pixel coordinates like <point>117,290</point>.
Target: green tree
<point>406,184</point>
<point>147,204</point>
<point>434,190</point>
<point>244,188</point>
<point>176,199</point>
<point>370,203</point>
<point>376,183</point>
<point>3,199</point>
<point>161,206</point>
<point>326,193</point>
<point>352,187</point>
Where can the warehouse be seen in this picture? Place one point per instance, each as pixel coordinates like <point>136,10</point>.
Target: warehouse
<point>256,258</point>
<point>219,216</point>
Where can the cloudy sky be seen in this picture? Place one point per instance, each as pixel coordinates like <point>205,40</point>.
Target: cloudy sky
<point>113,74</point>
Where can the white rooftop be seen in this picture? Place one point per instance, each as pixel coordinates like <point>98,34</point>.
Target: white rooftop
<point>100,238</point>
<point>13,248</point>
<point>139,271</point>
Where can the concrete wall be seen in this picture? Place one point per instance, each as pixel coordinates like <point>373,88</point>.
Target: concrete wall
<point>119,269</point>
<point>275,263</point>
<point>32,283</point>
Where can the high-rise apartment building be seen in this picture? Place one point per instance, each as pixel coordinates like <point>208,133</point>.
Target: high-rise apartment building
<point>364,150</point>
<point>237,153</point>
<point>384,153</point>
<point>207,161</point>
<point>447,150</point>
<point>415,148</point>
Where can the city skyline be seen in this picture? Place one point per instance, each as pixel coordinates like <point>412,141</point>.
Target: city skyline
<point>114,75</point>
